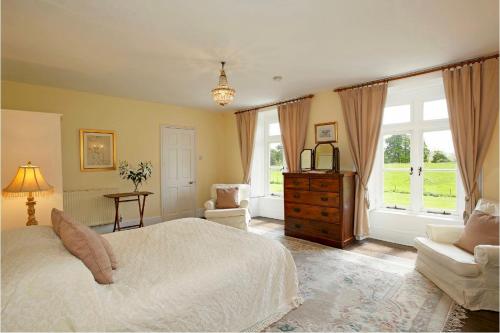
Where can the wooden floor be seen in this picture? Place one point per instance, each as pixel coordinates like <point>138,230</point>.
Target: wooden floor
<point>477,321</point>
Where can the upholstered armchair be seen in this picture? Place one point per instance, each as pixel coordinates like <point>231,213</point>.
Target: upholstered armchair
<point>234,217</point>
<point>469,279</point>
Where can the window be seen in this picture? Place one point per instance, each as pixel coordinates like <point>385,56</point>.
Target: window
<point>269,156</point>
<point>416,167</point>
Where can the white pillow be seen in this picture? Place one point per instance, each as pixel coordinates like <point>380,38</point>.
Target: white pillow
<point>488,207</point>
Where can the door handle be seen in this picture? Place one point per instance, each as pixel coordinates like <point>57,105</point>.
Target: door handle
<point>411,171</point>
<point>419,171</point>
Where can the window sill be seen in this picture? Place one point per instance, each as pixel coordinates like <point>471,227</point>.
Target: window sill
<point>430,216</point>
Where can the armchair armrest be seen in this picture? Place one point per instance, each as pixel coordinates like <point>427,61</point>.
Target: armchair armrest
<point>487,255</point>
<point>244,204</point>
<point>210,204</point>
<point>444,233</point>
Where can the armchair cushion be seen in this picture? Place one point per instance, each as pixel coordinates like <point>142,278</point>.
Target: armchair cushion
<point>481,229</point>
<point>231,212</point>
<point>447,255</point>
<point>227,198</point>
<point>444,233</point>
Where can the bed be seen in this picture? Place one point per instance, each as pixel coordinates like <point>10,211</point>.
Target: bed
<point>181,275</point>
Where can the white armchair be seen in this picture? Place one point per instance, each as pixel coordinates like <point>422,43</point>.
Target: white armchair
<point>234,217</point>
<point>471,280</point>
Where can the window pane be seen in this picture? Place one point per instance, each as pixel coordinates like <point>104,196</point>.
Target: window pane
<point>396,189</point>
<point>397,151</point>
<point>397,170</point>
<point>274,129</point>
<point>276,161</point>
<point>435,110</point>
<point>397,114</point>
<point>440,172</point>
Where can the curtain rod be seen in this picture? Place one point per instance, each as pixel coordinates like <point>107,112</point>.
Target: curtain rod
<point>275,104</point>
<point>419,72</point>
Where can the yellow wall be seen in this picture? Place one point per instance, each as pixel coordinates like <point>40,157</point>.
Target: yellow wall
<point>137,124</point>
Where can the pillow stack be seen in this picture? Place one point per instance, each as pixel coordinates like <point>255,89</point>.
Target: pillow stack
<point>86,244</point>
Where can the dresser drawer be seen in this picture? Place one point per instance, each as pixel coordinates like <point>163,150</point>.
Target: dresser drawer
<point>312,212</point>
<point>298,183</point>
<point>325,184</point>
<point>328,199</point>
<point>314,228</point>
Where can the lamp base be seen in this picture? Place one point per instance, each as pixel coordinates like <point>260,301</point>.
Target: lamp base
<point>31,210</point>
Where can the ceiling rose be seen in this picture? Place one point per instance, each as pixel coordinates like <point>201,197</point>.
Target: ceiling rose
<point>223,94</point>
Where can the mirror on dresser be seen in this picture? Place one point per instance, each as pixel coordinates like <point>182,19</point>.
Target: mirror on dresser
<point>307,160</point>
<point>326,157</point>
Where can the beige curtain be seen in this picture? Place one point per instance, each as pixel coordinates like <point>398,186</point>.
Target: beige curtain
<point>363,109</point>
<point>472,97</point>
<point>246,123</point>
<point>294,118</point>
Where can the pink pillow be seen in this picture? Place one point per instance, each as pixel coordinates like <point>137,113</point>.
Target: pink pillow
<point>85,244</point>
<point>481,229</point>
<point>57,216</point>
<point>227,198</point>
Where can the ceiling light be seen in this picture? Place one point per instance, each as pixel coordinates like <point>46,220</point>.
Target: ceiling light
<point>223,94</point>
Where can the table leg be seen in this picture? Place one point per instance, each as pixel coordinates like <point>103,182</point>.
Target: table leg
<point>117,217</point>
<point>141,209</point>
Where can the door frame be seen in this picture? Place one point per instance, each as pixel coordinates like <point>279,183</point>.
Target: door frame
<point>163,167</point>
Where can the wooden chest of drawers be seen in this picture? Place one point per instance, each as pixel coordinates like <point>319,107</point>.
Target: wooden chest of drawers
<point>320,207</point>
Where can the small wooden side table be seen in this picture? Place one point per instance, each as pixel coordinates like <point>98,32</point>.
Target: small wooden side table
<point>118,196</point>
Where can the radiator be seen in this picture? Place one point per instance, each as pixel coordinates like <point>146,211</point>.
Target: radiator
<point>89,207</point>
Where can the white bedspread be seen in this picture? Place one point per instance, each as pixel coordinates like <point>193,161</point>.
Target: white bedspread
<point>182,275</point>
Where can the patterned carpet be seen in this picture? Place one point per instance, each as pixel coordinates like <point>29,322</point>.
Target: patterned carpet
<point>346,291</point>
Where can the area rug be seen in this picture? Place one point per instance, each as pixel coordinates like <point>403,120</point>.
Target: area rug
<point>347,291</point>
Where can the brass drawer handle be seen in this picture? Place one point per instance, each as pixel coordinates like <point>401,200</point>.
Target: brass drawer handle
<point>298,226</point>
<point>324,199</point>
<point>296,182</point>
<point>324,214</point>
<point>296,195</point>
<point>297,210</point>
<point>323,185</point>
<point>324,231</point>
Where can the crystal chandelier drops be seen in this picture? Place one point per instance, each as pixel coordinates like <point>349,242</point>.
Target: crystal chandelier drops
<point>223,94</point>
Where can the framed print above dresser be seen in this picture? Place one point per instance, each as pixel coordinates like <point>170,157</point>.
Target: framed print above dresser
<point>319,207</point>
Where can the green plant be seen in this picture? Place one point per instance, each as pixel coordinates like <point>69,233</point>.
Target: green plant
<point>137,176</point>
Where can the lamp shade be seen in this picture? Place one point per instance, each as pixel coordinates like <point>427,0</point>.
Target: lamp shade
<point>28,179</point>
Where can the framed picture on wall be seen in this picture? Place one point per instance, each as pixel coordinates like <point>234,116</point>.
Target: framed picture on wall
<point>326,132</point>
<point>97,150</point>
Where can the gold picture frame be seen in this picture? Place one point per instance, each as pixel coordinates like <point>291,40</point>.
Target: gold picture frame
<point>97,150</point>
<point>326,132</point>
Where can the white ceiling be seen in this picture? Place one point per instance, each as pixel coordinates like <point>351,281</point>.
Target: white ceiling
<point>169,50</point>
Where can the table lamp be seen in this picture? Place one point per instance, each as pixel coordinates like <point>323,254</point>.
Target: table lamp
<point>28,180</point>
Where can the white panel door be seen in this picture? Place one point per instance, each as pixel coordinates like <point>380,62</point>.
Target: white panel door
<point>178,171</point>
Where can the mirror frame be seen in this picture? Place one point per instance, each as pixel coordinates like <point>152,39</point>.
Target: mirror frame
<point>312,160</point>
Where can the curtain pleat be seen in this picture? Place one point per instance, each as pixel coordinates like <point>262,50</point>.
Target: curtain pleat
<point>294,118</point>
<point>363,109</point>
<point>472,98</point>
<point>246,123</point>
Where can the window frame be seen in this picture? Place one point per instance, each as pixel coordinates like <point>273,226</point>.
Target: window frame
<point>270,117</point>
<point>414,95</point>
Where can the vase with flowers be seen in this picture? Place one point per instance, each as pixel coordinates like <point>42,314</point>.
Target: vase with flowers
<point>137,176</point>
